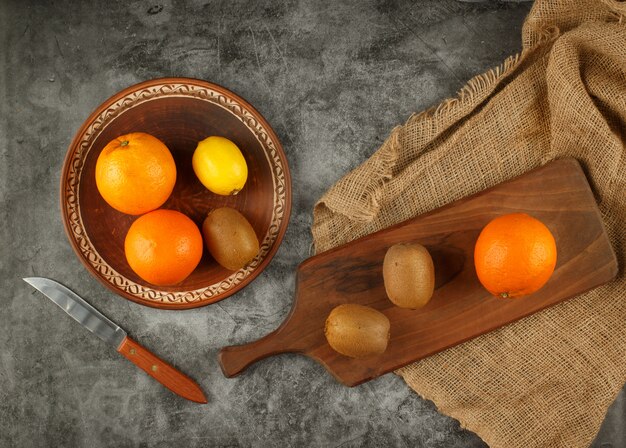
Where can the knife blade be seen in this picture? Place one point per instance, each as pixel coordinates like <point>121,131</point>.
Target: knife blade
<point>94,321</point>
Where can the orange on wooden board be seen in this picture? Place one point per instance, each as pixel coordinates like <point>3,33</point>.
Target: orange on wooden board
<point>515,255</point>
<point>135,173</point>
<point>163,247</point>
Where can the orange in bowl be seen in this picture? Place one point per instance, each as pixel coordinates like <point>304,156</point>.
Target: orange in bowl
<point>515,255</point>
<point>135,173</point>
<point>163,247</point>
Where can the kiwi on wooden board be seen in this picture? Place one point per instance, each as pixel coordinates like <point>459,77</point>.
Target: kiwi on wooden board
<point>230,238</point>
<point>409,275</point>
<point>357,331</point>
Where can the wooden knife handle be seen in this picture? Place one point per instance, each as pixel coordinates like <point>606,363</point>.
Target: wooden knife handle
<point>174,380</point>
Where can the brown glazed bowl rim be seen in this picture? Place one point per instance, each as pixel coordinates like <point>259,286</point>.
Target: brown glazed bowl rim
<point>81,144</point>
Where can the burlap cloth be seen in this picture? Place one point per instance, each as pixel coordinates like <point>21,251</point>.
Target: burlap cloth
<point>546,380</point>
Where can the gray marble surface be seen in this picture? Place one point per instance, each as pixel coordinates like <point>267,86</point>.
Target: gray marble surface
<point>332,78</point>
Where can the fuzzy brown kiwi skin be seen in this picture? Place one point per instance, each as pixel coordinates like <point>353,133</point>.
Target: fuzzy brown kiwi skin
<point>409,275</point>
<point>357,331</point>
<point>230,238</point>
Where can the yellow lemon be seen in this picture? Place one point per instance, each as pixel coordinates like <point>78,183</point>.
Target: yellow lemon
<point>220,166</point>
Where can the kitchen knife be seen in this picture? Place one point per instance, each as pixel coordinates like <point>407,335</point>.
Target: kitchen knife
<point>98,324</point>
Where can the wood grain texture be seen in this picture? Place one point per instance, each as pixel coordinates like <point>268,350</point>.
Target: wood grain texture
<point>173,379</point>
<point>558,194</point>
<point>180,112</point>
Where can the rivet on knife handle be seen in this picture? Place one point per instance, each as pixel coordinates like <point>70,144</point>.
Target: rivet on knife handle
<point>161,371</point>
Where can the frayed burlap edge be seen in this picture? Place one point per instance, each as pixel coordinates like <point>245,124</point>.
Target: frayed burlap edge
<point>440,117</point>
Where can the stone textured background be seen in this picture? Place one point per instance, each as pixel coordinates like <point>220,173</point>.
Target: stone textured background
<point>332,78</point>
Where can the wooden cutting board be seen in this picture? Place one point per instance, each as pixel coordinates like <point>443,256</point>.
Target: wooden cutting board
<point>558,194</point>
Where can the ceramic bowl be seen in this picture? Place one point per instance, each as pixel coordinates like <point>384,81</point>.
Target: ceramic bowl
<point>180,112</point>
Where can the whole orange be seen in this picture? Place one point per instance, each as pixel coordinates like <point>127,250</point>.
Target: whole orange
<point>135,173</point>
<point>163,247</point>
<point>515,255</point>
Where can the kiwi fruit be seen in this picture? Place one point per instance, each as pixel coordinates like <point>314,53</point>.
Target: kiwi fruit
<point>230,238</point>
<point>409,275</point>
<point>357,331</point>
